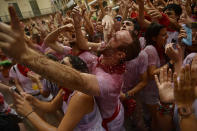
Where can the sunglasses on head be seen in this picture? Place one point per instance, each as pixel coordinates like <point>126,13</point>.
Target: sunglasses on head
<point>118,18</point>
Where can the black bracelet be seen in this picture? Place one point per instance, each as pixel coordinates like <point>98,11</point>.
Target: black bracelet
<point>29,113</point>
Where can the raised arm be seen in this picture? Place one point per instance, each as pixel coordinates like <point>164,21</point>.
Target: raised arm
<point>88,24</point>
<point>12,38</point>
<point>83,43</point>
<point>127,6</point>
<point>176,55</point>
<point>144,23</point>
<point>51,39</point>
<point>103,13</point>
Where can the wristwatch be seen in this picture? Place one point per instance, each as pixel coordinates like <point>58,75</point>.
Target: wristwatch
<point>185,112</point>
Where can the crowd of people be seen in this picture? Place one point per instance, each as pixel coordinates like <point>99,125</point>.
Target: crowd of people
<point>98,69</point>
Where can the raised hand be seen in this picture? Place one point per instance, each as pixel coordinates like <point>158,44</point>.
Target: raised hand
<point>77,17</point>
<point>108,23</point>
<point>154,13</point>
<point>12,38</point>
<point>165,85</point>
<point>176,55</point>
<point>185,19</point>
<point>182,35</point>
<point>99,27</point>
<point>68,27</point>
<point>184,89</point>
<point>68,20</point>
<point>52,37</point>
<point>134,6</point>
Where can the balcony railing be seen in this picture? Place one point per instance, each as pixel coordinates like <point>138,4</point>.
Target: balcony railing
<point>29,14</point>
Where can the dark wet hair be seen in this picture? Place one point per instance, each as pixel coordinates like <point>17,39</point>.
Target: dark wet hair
<point>176,8</point>
<point>131,50</point>
<point>152,31</point>
<point>136,25</point>
<point>52,57</point>
<point>77,63</point>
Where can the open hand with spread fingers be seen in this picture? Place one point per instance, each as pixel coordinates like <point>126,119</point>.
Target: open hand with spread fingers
<point>12,40</point>
<point>108,23</point>
<point>165,85</point>
<point>184,88</point>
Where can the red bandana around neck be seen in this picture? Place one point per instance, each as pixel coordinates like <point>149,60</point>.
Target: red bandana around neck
<point>67,93</point>
<point>23,70</point>
<point>116,69</point>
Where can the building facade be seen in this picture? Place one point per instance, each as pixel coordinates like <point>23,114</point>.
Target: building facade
<point>25,8</point>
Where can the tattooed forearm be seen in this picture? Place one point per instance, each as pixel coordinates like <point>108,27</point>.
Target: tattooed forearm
<point>56,72</point>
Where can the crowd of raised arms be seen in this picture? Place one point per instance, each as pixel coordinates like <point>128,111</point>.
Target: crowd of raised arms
<point>129,69</point>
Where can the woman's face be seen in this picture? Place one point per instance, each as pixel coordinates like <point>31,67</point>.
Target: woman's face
<point>66,41</point>
<point>60,39</point>
<point>66,61</point>
<point>162,37</point>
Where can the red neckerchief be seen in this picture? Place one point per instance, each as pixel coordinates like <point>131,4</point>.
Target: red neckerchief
<point>66,95</point>
<point>117,69</point>
<point>164,20</point>
<point>1,100</point>
<point>22,69</point>
<point>129,106</point>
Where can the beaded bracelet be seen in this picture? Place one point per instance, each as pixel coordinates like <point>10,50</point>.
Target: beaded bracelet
<point>29,113</point>
<point>166,108</point>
